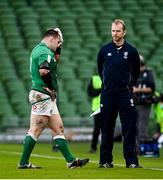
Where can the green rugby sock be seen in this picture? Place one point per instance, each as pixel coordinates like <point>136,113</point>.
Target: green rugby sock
<point>29,144</point>
<point>61,143</point>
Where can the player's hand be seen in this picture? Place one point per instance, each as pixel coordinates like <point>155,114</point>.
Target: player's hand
<point>51,92</point>
<point>58,50</point>
<point>57,53</point>
<point>136,90</point>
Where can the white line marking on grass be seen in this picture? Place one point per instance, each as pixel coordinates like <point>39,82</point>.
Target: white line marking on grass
<point>61,158</point>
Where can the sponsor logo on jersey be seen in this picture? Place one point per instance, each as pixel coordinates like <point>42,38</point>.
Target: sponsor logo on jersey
<point>49,58</point>
<point>34,107</point>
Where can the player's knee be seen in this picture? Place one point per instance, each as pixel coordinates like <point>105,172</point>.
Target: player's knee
<point>58,131</point>
<point>36,131</point>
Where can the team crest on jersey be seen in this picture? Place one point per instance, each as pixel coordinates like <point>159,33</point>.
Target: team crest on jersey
<point>125,55</point>
<point>132,102</point>
<point>145,74</point>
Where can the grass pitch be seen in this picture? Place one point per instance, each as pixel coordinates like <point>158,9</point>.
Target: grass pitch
<point>54,166</point>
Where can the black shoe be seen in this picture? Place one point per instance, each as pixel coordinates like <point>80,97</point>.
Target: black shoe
<point>134,166</point>
<point>92,151</point>
<point>28,166</point>
<point>77,163</point>
<point>106,165</point>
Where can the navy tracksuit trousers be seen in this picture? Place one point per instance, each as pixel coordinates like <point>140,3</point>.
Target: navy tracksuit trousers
<point>111,105</point>
<point>96,131</point>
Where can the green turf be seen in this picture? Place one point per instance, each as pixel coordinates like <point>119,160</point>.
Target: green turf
<point>54,166</point>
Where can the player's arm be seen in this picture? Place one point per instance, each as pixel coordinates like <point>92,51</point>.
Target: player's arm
<point>44,71</point>
<point>100,62</point>
<point>135,66</point>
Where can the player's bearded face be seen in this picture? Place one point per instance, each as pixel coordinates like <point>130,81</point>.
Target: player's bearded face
<point>117,38</point>
<point>117,32</point>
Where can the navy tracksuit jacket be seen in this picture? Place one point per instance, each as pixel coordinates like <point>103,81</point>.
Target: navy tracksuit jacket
<point>119,68</point>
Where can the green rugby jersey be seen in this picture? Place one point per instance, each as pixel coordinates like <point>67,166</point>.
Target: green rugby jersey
<point>40,54</point>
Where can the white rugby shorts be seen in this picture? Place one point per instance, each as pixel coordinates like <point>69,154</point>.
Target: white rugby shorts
<point>42,104</point>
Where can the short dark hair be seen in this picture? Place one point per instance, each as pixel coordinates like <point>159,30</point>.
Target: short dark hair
<point>51,32</point>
